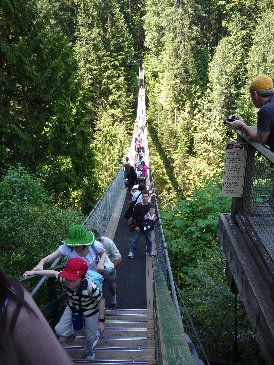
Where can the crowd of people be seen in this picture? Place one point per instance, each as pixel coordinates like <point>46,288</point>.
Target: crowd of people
<point>92,262</point>
<point>141,214</point>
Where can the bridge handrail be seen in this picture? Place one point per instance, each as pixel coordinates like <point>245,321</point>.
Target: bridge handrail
<point>254,211</point>
<point>100,215</point>
<point>98,218</point>
<point>163,259</point>
<point>42,280</point>
<point>269,155</point>
<point>163,271</point>
<point>172,347</point>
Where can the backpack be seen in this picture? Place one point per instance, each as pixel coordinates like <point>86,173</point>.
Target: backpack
<point>96,277</point>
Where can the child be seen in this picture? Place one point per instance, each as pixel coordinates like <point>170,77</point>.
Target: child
<point>84,303</point>
<point>149,219</point>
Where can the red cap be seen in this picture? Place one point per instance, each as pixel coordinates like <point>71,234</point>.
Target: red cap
<point>74,269</point>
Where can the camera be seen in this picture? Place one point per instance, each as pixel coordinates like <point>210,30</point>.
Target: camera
<point>231,118</point>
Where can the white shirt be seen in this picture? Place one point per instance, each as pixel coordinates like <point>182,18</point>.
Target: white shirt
<point>135,195</point>
<point>91,258</point>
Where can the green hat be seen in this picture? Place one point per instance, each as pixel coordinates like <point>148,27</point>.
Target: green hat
<point>79,236</point>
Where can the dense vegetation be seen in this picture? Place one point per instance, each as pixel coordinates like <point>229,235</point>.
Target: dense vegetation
<point>67,93</point>
<point>31,226</point>
<point>199,58</point>
<point>68,89</point>
<point>198,264</point>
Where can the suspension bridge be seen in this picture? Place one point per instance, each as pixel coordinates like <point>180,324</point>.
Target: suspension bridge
<point>146,327</point>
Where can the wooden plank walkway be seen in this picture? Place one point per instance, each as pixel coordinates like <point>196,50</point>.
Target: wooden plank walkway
<point>129,336</point>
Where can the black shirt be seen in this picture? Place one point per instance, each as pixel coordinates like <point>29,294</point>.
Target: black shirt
<point>139,212</point>
<point>265,121</point>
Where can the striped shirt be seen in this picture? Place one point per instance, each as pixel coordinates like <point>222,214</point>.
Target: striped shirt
<point>85,299</point>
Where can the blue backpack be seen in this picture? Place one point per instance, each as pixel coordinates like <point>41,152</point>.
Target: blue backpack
<point>96,277</point>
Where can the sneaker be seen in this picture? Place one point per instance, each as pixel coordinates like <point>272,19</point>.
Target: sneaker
<point>91,356</point>
<point>130,255</point>
<point>151,254</point>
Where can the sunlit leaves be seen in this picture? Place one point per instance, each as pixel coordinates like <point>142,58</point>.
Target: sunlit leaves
<point>31,226</point>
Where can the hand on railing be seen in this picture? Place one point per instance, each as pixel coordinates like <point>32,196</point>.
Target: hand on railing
<point>39,267</point>
<point>29,273</point>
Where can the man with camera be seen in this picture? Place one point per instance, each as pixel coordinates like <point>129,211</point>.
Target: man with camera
<point>262,96</point>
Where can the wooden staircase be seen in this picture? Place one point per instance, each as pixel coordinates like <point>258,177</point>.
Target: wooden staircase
<point>128,339</point>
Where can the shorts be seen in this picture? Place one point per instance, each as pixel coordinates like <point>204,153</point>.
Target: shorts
<point>109,275</point>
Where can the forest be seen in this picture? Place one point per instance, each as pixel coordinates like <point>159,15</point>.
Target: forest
<point>69,82</point>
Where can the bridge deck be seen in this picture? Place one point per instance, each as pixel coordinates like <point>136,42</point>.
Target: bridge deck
<point>131,273</point>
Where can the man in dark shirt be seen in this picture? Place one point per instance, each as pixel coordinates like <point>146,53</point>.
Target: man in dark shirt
<point>262,95</point>
<point>140,210</point>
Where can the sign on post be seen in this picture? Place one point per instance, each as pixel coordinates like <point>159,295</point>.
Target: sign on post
<point>234,169</point>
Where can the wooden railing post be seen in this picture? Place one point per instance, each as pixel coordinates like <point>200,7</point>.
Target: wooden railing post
<point>237,203</point>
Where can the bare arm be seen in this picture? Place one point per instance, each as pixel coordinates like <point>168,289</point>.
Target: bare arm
<point>49,273</point>
<point>117,262</point>
<point>101,310</point>
<point>100,265</point>
<point>47,259</point>
<point>252,132</point>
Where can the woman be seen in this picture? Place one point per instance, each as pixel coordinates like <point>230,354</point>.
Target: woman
<point>81,243</point>
<point>23,330</point>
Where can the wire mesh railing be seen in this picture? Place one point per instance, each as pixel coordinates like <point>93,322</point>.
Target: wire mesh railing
<point>176,295</point>
<point>163,259</point>
<point>255,214</point>
<point>100,215</point>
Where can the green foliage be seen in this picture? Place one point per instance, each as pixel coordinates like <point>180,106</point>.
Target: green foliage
<point>260,59</point>
<point>133,11</point>
<point>200,57</point>
<point>103,48</point>
<point>110,142</point>
<point>31,227</point>
<point>62,64</point>
<point>211,306</point>
<point>192,228</point>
